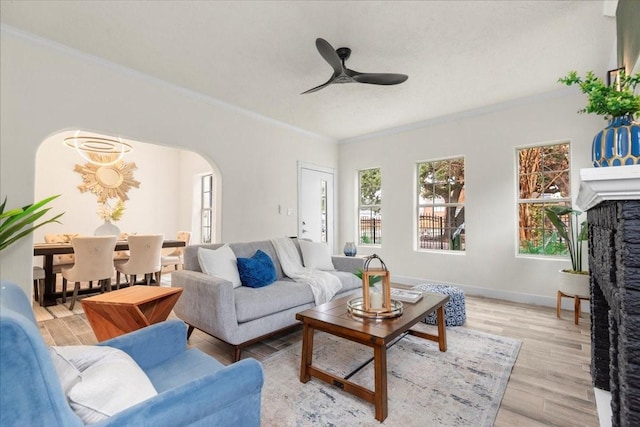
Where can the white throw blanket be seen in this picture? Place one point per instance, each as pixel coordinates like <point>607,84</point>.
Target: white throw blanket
<point>323,285</point>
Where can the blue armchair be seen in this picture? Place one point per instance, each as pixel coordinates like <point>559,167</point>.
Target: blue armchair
<point>193,388</point>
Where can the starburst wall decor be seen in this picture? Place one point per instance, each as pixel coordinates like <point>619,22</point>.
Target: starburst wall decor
<point>107,181</point>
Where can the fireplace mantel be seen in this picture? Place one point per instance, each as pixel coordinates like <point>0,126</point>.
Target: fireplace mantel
<point>612,183</point>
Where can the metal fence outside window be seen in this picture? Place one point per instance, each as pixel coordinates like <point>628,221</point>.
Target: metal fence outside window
<point>431,232</point>
<point>370,231</point>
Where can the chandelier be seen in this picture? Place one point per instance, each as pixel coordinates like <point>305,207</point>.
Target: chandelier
<point>99,150</point>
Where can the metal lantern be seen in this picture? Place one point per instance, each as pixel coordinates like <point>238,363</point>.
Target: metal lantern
<point>374,301</point>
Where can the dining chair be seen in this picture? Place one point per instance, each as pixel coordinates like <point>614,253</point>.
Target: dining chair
<point>63,260</point>
<point>38,283</point>
<point>144,258</point>
<point>122,255</point>
<point>94,262</point>
<point>176,257</point>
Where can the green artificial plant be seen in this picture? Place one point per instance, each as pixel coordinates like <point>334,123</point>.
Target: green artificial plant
<point>609,101</point>
<point>18,223</point>
<point>372,279</point>
<point>573,234</point>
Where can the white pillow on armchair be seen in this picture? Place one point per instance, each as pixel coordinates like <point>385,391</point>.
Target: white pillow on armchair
<point>107,380</point>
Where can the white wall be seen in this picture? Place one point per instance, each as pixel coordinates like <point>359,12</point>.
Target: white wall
<point>487,139</point>
<point>47,89</point>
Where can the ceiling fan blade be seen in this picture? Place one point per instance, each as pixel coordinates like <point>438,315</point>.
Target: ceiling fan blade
<point>379,78</point>
<point>329,54</point>
<point>322,86</point>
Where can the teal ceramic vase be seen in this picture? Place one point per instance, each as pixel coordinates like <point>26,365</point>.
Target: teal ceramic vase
<point>618,144</point>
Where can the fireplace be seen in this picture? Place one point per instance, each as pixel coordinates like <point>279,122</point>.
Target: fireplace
<point>611,197</point>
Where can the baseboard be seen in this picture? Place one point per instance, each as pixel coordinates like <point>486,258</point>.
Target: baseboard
<point>567,303</point>
<point>603,403</point>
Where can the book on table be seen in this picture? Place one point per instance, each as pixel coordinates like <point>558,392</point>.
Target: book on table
<point>405,295</point>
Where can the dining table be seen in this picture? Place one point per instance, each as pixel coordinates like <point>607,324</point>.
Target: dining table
<point>48,250</point>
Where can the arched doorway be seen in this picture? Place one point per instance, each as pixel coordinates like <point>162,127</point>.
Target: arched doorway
<point>169,196</point>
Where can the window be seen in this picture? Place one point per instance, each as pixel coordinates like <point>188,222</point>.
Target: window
<point>206,208</point>
<point>543,176</point>
<point>441,205</point>
<point>323,211</point>
<point>370,227</point>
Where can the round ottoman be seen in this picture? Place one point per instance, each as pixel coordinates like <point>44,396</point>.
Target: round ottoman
<point>454,310</point>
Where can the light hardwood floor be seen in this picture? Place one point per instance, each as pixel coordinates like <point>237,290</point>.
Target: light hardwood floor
<point>550,384</point>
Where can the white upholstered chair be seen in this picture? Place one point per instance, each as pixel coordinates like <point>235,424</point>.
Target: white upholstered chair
<point>94,262</point>
<point>176,257</point>
<point>38,284</point>
<point>144,258</point>
<point>63,260</point>
<point>121,256</point>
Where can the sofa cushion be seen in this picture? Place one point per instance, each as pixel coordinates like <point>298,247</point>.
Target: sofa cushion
<point>316,255</point>
<point>257,271</point>
<point>221,263</point>
<point>282,295</point>
<point>254,303</point>
<point>349,281</point>
<point>111,381</point>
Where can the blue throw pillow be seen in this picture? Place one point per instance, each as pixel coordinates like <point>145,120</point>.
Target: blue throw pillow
<point>257,271</point>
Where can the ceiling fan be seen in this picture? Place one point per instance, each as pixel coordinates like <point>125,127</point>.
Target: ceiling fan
<point>341,74</point>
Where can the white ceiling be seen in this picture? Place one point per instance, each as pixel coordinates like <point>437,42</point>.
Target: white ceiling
<point>261,55</point>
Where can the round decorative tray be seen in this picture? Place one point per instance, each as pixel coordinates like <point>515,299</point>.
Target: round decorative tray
<point>355,307</point>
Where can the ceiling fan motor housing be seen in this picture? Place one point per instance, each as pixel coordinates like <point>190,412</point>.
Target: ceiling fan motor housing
<point>344,53</point>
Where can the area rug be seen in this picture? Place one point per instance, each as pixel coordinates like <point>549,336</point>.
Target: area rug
<point>460,387</point>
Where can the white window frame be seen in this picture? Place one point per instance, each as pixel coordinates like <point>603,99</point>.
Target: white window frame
<point>371,207</point>
<point>204,209</point>
<point>543,200</point>
<point>436,207</point>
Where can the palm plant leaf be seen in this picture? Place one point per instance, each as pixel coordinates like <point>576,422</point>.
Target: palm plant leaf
<point>18,223</point>
<point>574,234</point>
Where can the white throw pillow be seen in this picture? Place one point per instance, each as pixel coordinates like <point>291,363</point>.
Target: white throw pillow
<point>220,263</point>
<point>110,381</point>
<point>316,256</point>
<point>68,374</point>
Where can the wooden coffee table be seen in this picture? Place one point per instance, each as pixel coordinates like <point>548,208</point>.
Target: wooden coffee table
<point>334,319</point>
<point>126,310</point>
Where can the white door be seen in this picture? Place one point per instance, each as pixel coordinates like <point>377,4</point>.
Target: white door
<point>315,204</point>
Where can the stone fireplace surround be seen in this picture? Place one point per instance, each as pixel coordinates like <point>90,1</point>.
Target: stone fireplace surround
<point>611,197</point>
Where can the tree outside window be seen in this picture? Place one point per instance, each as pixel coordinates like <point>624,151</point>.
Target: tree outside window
<point>441,205</point>
<point>544,180</point>
<point>369,207</point>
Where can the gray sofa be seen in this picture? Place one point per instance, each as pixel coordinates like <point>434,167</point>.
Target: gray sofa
<point>244,315</point>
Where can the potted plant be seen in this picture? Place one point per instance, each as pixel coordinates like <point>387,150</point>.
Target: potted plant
<point>574,281</point>
<point>18,223</point>
<point>619,143</point>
